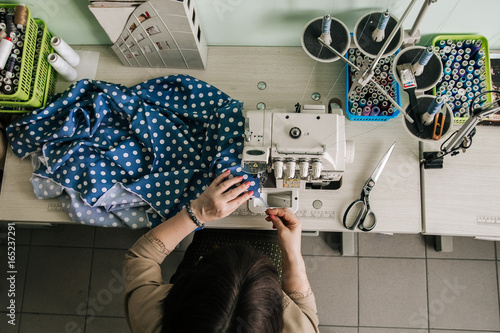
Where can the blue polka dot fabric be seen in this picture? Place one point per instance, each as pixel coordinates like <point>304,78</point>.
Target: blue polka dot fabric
<point>118,156</point>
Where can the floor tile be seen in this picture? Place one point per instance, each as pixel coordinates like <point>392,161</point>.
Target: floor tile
<point>334,281</point>
<point>21,263</point>
<point>463,294</point>
<point>392,292</point>
<point>74,235</point>
<point>57,280</point>
<point>106,325</point>
<point>36,323</point>
<point>463,248</point>
<point>5,327</point>
<point>22,234</point>
<point>393,246</point>
<point>117,238</point>
<point>337,329</point>
<point>391,330</point>
<point>326,244</point>
<point>459,331</point>
<point>106,283</point>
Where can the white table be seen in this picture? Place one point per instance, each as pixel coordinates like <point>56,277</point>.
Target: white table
<point>463,198</point>
<point>291,77</point>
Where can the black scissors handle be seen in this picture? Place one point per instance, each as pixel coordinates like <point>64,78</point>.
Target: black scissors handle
<point>361,215</point>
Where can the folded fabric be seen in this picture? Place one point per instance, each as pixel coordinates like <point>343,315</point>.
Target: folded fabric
<point>118,156</point>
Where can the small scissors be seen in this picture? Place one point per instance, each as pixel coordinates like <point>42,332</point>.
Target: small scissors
<point>359,210</point>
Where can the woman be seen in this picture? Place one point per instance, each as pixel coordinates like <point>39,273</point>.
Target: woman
<point>230,290</point>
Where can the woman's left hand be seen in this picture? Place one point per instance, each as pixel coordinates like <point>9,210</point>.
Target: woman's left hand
<point>218,201</point>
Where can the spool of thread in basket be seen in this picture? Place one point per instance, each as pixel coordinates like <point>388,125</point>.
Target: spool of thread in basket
<point>65,51</point>
<point>62,67</point>
<point>6,46</point>
<point>21,16</point>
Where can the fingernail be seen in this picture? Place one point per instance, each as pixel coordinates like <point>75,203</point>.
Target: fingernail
<point>247,183</point>
<point>272,217</point>
<point>227,171</point>
<point>240,178</point>
<point>250,193</point>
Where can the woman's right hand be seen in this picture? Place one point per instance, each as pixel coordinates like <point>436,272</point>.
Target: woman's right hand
<point>289,229</point>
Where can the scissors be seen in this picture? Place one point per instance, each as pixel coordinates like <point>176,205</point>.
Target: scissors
<point>359,210</point>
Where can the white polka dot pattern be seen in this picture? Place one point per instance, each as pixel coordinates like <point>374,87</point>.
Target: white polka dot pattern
<point>117,156</point>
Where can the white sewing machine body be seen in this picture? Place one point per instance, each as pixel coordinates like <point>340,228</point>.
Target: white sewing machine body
<point>294,152</point>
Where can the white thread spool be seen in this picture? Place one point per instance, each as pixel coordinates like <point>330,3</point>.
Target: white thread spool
<point>65,51</point>
<point>6,46</point>
<point>62,67</point>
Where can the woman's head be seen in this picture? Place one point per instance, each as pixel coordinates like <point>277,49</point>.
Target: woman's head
<point>232,289</point>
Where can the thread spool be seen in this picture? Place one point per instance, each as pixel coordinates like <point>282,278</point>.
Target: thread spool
<point>7,89</point>
<point>62,67</point>
<point>65,51</point>
<point>363,35</point>
<point>418,67</point>
<point>21,16</point>
<point>367,110</point>
<point>428,117</point>
<point>10,26</point>
<point>340,39</point>
<point>325,29</point>
<point>6,46</point>
<point>375,111</point>
<point>379,34</point>
<point>9,68</point>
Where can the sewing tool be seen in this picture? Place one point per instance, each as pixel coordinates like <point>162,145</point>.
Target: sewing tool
<point>295,152</point>
<point>359,213</point>
<point>409,84</point>
<point>461,140</point>
<point>65,51</point>
<point>432,71</point>
<point>439,123</point>
<point>62,67</point>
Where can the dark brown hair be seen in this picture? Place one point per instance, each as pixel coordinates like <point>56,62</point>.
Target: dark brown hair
<point>232,289</point>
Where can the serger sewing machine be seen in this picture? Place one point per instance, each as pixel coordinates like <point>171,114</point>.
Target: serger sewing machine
<point>294,152</point>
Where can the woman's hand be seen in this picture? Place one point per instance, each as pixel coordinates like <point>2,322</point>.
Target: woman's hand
<point>294,276</point>
<point>218,201</point>
<point>289,229</point>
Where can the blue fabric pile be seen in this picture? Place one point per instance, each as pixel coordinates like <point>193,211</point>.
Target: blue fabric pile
<point>118,156</point>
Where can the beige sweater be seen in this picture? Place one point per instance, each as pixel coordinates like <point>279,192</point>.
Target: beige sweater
<point>145,291</point>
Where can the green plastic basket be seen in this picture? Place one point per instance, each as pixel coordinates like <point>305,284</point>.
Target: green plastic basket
<point>28,56</point>
<point>41,73</point>
<point>456,38</point>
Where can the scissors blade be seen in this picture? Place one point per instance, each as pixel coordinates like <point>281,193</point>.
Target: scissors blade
<point>381,165</point>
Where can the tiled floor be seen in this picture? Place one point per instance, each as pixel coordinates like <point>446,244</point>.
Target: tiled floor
<point>69,280</point>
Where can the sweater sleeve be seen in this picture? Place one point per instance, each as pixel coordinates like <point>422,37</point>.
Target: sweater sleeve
<point>300,313</point>
<point>144,289</point>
